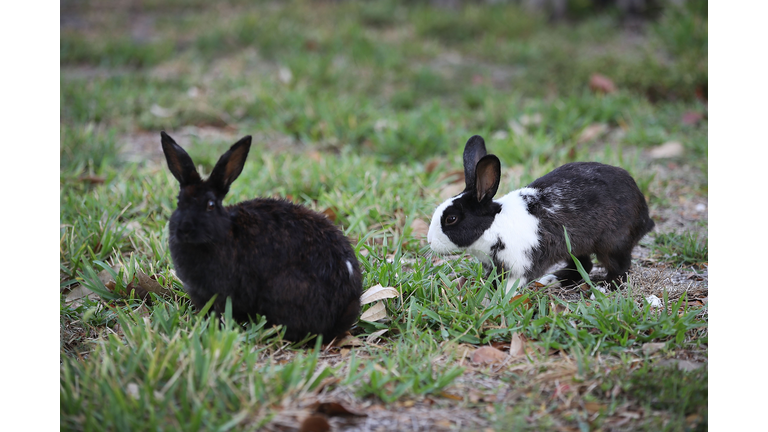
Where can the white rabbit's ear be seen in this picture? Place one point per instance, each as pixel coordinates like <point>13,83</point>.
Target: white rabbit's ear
<point>230,165</point>
<point>488,175</point>
<point>179,162</point>
<point>474,150</point>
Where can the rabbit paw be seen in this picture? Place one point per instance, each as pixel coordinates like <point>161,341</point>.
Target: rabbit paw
<point>549,279</point>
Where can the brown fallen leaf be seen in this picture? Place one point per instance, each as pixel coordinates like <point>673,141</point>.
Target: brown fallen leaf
<point>593,407</point>
<point>601,84</point>
<point>347,341</point>
<point>311,45</point>
<point>461,281</point>
<point>335,409</point>
<point>92,179</point>
<point>330,213</point>
<point>431,165</point>
<point>690,118</point>
<point>592,132</point>
<point>315,423</point>
<point>526,303</point>
<point>500,345</point>
<point>518,345</point>
<point>452,189</point>
<point>106,277</point>
<point>488,355</point>
<point>150,284</point>
<point>558,308</point>
<point>451,396</point>
<point>76,295</point>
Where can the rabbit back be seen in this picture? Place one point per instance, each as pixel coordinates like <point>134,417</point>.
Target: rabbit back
<point>600,206</point>
<point>280,260</point>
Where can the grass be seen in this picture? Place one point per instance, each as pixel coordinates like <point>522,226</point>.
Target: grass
<point>681,249</point>
<point>360,110</point>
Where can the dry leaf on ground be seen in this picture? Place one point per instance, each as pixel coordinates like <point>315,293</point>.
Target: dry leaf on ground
<point>592,132</point>
<point>692,117</point>
<point>335,409</point>
<point>150,284</point>
<point>330,213</point>
<point>76,295</point>
<point>488,355</point>
<point>669,149</point>
<point>653,347</point>
<point>376,312</point>
<point>593,407</point>
<point>419,229</point>
<point>683,365</point>
<point>518,345</point>
<point>378,292</point>
<point>347,341</point>
<point>601,84</point>
<point>373,337</point>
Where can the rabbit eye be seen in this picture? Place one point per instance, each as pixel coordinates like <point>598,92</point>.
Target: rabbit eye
<point>452,219</point>
<point>211,205</point>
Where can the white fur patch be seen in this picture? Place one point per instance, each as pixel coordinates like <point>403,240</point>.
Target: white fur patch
<point>438,241</point>
<point>351,270</point>
<point>548,280</point>
<point>518,231</point>
<point>514,226</point>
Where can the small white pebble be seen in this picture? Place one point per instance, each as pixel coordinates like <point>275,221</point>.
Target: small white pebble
<point>133,390</point>
<point>654,301</point>
<point>285,75</point>
<point>701,208</point>
<point>500,135</point>
<point>599,288</point>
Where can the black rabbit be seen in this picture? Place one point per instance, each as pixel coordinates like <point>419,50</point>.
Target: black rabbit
<point>522,234</point>
<point>271,257</point>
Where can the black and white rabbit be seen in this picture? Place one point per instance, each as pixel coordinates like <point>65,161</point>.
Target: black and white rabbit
<point>522,234</point>
<point>271,257</point>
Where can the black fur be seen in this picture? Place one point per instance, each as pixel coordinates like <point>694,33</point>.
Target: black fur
<point>600,205</point>
<point>476,201</point>
<point>271,257</point>
<point>603,211</point>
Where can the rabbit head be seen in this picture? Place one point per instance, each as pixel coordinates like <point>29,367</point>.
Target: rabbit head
<point>200,216</point>
<point>463,219</point>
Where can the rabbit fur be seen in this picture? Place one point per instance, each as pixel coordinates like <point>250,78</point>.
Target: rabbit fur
<point>522,232</point>
<point>270,256</point>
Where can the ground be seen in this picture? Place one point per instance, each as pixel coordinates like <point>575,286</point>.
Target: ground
<point>360,111</point>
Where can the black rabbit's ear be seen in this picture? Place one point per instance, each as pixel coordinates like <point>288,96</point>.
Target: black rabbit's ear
<point>488,176</point>
<point>179,162</point>
<point>474,150</point>
<point>230,165</point>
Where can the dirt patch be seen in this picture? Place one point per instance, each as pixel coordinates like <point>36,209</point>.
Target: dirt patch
<point>144,147</point>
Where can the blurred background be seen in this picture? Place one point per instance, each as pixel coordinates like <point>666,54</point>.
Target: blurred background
<point>548,81</point>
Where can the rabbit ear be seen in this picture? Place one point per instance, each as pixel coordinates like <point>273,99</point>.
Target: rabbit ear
<point>230,165</point>
<point>474,150</point>
<point>179,162</point>
<point>488,175</point>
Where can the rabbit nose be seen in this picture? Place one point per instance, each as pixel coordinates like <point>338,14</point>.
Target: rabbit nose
<point>186,227</point>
